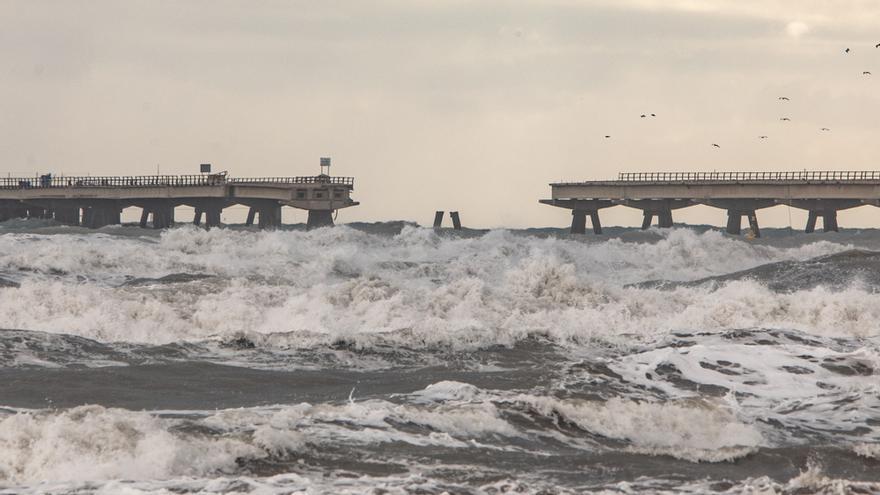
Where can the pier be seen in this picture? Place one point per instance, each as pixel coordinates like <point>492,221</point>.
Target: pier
<point>95,202</point>
<point>741,194</point>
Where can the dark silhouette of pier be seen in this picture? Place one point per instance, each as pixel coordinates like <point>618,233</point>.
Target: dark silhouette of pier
<point>742,194</point>
<point>98,201</point>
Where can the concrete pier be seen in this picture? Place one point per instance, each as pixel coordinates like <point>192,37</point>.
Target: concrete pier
<point>95,202</point>
<point>741,194</point>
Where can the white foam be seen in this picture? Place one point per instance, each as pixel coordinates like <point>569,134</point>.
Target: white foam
<point>95,443</point>
<point>698,431</point>
<point>414,289</point>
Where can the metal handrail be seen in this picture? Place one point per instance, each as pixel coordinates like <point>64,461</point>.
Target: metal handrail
<point>142,181</point>
<point>805,175</point>
<point>317,179</point>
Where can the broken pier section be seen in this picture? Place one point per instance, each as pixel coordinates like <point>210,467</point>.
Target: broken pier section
<point>741,194</point>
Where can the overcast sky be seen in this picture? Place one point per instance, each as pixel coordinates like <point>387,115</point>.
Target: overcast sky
<point>455,104</point>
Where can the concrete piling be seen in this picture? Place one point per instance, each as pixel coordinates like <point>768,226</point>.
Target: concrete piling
<point>320,218</point>
<point>456,221</point>
<point>578,222</point>
<point>438,219</point>
<point>594,219</point>
<point>98,215</point>
<point>270,216</point>
<point>734,221</point>
<point>67,215</point>
<point>753,224</point>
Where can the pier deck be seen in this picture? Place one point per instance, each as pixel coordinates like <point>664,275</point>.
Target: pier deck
<point>821,193</point>
<point>98,201</point>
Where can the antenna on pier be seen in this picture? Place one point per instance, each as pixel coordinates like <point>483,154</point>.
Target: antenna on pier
<point>325,165</point>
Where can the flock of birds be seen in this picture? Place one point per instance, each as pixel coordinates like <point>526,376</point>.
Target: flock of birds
<point>781,98</point>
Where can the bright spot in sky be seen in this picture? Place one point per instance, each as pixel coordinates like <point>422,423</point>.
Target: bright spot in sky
<point>796,29</point>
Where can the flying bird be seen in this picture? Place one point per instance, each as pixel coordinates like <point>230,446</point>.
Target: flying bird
<point>653,115</point>
<point>643,115</point>
<point>824,129</point>
<point>716,145</point>
<point>762,137</point>
<point>877,45</point>
<point>606,137</point>
<point>785,119</point>
<point>783,98</point>
<point>846,51</point>
<point>866,73</point>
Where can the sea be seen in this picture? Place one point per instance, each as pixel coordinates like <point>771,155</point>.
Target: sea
<point>390,358</point>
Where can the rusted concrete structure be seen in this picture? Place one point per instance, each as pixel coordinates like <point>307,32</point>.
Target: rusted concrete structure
<point>98,201</point>
<point>822,194</point>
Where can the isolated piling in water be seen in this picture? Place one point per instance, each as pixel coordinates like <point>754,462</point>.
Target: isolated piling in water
<point>456,221</point>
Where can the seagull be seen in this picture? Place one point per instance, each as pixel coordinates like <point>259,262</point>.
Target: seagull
<point>653,115</point>
<point>824,129</point>
<point>785,119</point>
<point>866,73</point>
<point>643,115</point>
<point>762,137</point>
<point>783,98</point>
<point>716,145</point>
<point>846,51</point>
<point>877,45</point>
<point>606,137</point>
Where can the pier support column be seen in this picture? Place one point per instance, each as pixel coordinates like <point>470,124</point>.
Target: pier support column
<point>161,213</point>
<point>829,221</point>
<point>197,219</point>
<point>594,219</point>
<point>826,208</point>
<point>578,222</point>
<point>163,216</point>
<point>97,216</point>
<point>320,218</point>
<point>734,222</point>
<point>753,224</point>
<point>211,209</point>
<point>68,215</point>
<point>9,210</point>
<point>662,208</point>
<point>212,216</point>
<point>438,219</point>
<point>252,214</point>
<point>456,221</point>
<point>664,218</point>
<point>270,216</point>
<point>647,219</point>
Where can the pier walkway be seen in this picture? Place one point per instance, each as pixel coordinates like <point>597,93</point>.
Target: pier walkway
<point>742,194</point>
<point>98,201</point>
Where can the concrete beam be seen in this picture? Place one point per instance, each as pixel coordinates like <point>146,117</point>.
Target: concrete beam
<point>708,191</point>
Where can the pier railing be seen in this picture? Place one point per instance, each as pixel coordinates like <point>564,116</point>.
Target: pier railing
<point>318,179</point>
<point>811,175</point>
<point>52,181</point>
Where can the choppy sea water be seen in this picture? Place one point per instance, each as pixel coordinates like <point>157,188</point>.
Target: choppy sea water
<point>388,358</point>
